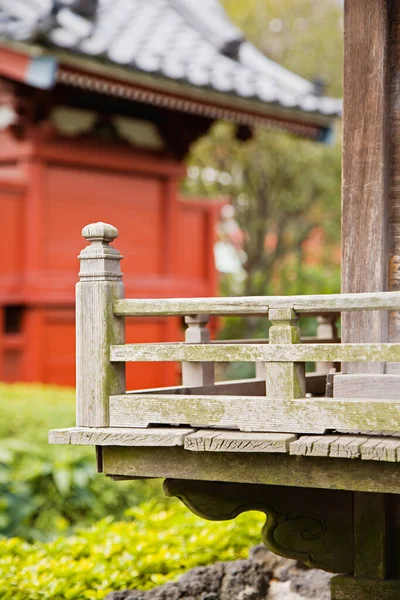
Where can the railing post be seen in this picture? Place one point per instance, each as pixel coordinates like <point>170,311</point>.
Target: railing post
<point>284,381</point>
<point>197,373</point>
<point>97,327</point>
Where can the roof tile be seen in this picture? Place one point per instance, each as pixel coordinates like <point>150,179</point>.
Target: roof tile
<point>180,40</point>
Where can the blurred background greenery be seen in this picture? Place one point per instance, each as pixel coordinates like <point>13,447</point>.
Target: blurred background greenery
<point>286,192</point>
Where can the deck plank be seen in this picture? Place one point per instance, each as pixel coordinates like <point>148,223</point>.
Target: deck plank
<point>207,440</point>
<point>120,436</point>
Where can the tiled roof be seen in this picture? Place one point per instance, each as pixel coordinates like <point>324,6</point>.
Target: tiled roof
<point>188,41</point>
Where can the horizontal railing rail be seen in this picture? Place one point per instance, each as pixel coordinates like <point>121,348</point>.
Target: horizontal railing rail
<point>304,340</point>
<point>255,413</point>
<point>255,353</point>
<point>256,305</point>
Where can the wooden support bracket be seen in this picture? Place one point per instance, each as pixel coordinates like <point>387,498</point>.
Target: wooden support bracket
<point>314,526</point>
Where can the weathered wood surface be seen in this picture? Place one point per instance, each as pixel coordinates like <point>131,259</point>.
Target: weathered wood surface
<point>120,436</point>
<point>202,373</point>
<point>263,467</point>
<point>371,540</point>
<point>284,380</point>
<point>303,415</point>
<point>310,339</point>
<point>344,587</point>
<point>394,192</point>
<point>352,446</point>
<point>97,327</point>
<point>366,166</point>
<point>374,448</point>
<point>255,305</point>
<point>372,385</point>
<point>207,440</point>
<point>180,351</point>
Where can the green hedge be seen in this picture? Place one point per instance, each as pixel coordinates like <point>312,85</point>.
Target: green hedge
<point>160,542</point>
<point>47,490</point>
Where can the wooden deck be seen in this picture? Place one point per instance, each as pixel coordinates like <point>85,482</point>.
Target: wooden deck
<point>384,447</point>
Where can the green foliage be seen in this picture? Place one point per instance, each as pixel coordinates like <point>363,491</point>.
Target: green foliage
<point>160,542</point>
<point>46,490</point>
<point>304,36</point>
<point>286,190</point>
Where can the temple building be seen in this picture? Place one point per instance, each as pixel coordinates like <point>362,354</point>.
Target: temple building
<point>99,104</point>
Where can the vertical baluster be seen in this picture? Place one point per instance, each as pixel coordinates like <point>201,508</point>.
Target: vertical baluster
<point>327,330</point>
<point>260,370</point>
<point>284,380</point>
<point>197,373</point>
<point>97,327</point>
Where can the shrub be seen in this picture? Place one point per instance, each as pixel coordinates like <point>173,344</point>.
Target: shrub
<point>46,490</point>
<point>159,543</point>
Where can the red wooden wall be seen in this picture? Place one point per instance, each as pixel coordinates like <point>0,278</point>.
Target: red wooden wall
<point>49,189</point>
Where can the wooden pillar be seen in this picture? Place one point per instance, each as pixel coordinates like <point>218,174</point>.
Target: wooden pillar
<point>394,214</point>
<point>366,166</point>
<point>371,249</point>
<point>374,576</point>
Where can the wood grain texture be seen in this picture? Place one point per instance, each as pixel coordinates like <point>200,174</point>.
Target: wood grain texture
<point>366,166</point>
<point>207,440</point>
<point>263,467</point>
<point>366,386</point>
<point>371,538</point>
<point>255,305</point>
<point>180,351</point>
<point>303,415</point>
<point>119,436</point>
<point>373,447</point>
<point>394,195</point>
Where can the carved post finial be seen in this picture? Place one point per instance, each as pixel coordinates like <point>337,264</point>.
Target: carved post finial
<point>99,260</point>
<point>100,232</point>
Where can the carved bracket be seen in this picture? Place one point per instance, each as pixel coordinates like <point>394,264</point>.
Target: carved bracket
<point>314,526</point>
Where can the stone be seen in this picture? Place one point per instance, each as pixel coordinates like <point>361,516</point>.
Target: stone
<point>244,580</point>
<point>202,581</point>
<point>311,583</point>
<point>277,566</point>
<point>263,576</point>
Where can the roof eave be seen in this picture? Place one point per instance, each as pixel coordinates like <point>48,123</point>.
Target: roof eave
<point>40,67</point>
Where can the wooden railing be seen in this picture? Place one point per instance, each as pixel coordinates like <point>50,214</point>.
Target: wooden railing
<point>275,402</point>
